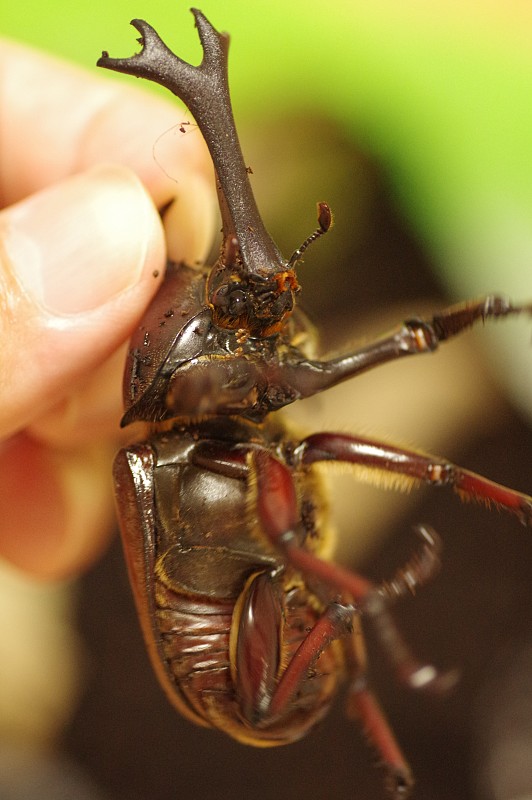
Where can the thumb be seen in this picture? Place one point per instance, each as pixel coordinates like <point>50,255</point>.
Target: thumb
<point>79,261</point>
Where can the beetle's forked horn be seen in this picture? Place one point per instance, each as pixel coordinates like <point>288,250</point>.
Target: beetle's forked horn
<point>204,90</point>
<point>325,222</point>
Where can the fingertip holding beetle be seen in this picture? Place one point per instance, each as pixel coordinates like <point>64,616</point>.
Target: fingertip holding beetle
<point>77,245</point>
<point>76,263</point>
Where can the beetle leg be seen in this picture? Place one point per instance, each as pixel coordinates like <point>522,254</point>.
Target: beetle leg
<point>278,514</point>
<point>412,337</point>
<point>404,468</point>
<point>337,622</point>
<point>361,702</point>
<point>419,569</point>
<point>363,706</point>
<point>279,518</point>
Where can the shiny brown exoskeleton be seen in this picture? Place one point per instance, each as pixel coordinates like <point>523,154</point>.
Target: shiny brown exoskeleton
<point>249,625</point>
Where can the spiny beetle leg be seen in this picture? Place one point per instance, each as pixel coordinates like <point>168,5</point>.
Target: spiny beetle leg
<point>278,515</point>
<point>458,318</point>
<point>419,569</point>
<point>364,706</point>
<point>413,467</point>
<point>412,337</point>
<point>335,623</point>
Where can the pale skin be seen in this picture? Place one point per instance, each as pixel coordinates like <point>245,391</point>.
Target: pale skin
<point>82,251</point>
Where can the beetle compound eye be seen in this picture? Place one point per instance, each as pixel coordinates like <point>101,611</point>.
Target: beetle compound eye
<point>230,301</point>
<point>237,302</point>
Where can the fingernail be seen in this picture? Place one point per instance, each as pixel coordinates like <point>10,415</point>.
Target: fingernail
<point>75,246</point>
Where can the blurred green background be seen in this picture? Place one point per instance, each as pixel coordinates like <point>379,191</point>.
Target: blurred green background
<point>439,94</point>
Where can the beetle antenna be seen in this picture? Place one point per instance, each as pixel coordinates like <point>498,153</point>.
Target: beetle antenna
<point>325,221</point>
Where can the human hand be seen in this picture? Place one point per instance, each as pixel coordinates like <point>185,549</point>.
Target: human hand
<point>82,252</point>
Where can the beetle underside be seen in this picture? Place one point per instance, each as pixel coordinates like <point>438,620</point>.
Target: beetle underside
<point>249,625</point>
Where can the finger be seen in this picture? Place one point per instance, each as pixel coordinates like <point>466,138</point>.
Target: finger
<point>58,119</point>
<point>89,410</point>
<point>57,507</point>
<point>78,264</point>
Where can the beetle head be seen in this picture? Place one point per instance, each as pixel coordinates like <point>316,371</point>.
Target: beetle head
<point>255,302</point>
<point>249,292</point>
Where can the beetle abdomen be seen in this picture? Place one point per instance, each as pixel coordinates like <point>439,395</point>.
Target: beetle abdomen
<point>195,641</point>
<point>194,637</point>
<point>193,562</point>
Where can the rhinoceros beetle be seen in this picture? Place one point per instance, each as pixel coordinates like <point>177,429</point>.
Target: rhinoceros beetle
<point>250,627</point>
